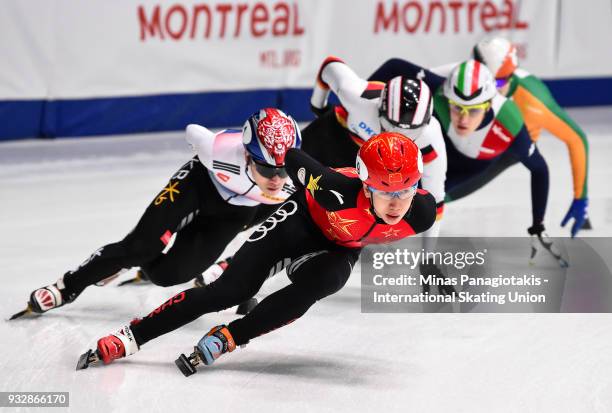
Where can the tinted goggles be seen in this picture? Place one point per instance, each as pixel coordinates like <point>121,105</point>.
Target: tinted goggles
<point>268,171</point>
<point>470,110</point>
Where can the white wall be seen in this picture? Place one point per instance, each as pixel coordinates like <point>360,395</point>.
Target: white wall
<point>59,49</point>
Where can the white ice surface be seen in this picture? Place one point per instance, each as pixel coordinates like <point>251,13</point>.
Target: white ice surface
<point>61,200</point>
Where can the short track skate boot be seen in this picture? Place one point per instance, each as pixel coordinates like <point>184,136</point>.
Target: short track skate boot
<point>212,273</point>
<point>209,348</point>
<point>50,297</point>
<point>117,345</point>
<point>217,342</point>
<point>47,298</point>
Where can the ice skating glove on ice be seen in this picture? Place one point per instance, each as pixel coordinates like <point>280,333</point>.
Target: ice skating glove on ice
<point>215,343</point>
<point>578,211</point>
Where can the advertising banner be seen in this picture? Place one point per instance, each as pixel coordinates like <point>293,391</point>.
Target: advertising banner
<point>116,66</point>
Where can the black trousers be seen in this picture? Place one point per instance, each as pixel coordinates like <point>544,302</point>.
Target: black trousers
<point>466,175</point>
<point>316,267</point>
<point>189,206</point>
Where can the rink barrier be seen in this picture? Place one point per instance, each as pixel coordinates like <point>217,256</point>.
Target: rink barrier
<point>21,119</point>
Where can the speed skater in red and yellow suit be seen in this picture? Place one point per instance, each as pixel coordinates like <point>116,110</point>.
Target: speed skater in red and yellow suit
<point>317,235</point>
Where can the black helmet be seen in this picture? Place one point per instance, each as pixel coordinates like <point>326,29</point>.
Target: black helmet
<point>405,104</point>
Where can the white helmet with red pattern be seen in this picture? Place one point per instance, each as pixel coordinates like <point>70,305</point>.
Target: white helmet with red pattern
<point>267,135</point>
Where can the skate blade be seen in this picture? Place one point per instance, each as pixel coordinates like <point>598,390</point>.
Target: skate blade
<point>185,366</point>
<point>562,262</point>
<point>107,280</point>
<point>135,280</point>
<point>22,313</point>
<point>90,357</point>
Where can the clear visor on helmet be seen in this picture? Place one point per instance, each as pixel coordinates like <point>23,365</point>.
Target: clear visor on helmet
<point>403,194</point>
<point>468,110</point>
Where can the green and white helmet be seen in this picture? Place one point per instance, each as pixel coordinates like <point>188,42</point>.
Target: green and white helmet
<point>470,83</point>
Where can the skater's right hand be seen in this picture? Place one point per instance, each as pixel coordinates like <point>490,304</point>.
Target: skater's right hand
<point>432,269</point>
<point>578,211</point>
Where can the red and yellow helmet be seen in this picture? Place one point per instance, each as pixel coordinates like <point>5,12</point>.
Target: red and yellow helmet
<point>389,162</point>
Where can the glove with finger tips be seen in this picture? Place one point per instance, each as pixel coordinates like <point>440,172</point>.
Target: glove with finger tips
<point>578,211</point>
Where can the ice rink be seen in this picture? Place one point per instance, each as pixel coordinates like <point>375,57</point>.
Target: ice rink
<point>61,200</point>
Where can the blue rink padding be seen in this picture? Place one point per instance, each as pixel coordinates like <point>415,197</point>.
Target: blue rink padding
<point>123,115</point>
<point>20,118</point>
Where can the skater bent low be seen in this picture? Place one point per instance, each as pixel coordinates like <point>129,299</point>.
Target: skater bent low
<point>317,235</point>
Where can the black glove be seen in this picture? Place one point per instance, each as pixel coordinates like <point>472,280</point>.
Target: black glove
<point>432,269</point>
<point>318,112</point>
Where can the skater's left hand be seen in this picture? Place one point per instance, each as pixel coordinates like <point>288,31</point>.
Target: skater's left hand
<point>578,211</point>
